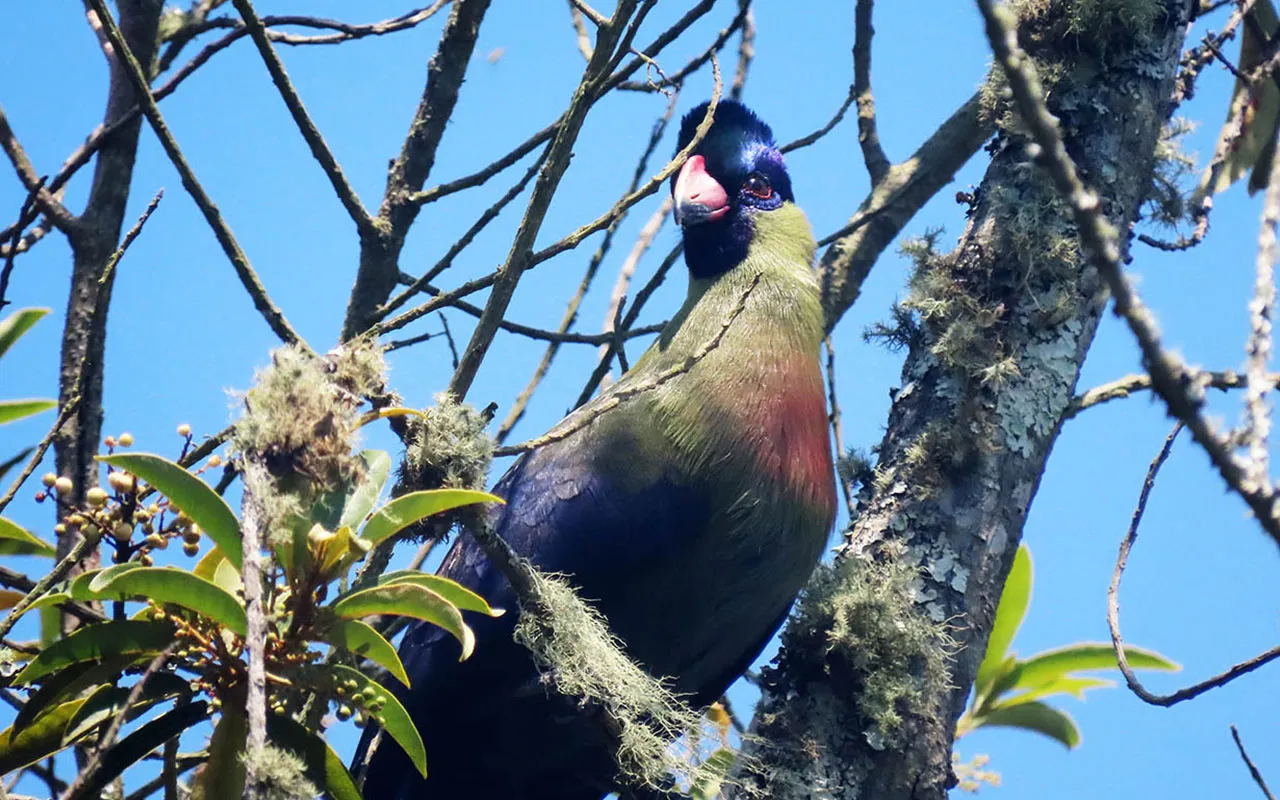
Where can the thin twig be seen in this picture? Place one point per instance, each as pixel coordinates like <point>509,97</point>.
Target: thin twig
<point>606,358</point>
<point>558,154</point>
<point>868,137</point>
<point>1248,762</point>
<point>837,430</point>
<point>1171,378</point>
<point>570,315</point>
<point>27,212</point>
<point>319,148</point>
<point>275,319</point>
<point>45,199</point>
<point>580,30</point>
<point>1113,604</point>
<point>577,422</point>
<point>620,208</point>
<point>59,571</point>
<point>1123,387</point>
<point>117,722</point>
<point>463,242</point>
<point>34,461</point>
<point>448,337</point>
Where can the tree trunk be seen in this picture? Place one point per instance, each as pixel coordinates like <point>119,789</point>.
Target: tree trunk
<point>84,335</point>
<point>856,706</point>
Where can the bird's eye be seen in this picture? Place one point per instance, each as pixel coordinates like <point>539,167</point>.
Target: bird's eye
<point>758,186</point>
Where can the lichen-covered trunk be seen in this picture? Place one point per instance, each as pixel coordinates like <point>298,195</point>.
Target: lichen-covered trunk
<point>1005,322</point>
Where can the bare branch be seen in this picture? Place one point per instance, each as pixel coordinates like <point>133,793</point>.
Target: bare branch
<point>642,297</point>
<point>252,528</point>
<point>1123,387</point>
<point>676,78</point>
<point>319,149</point>
<point>894,201</point>
<point>580,30</point>
<point>1113,605</point>
<point>117,722</point>
<point>379,254</point>
<point>872,153</point>
<point>248,278</point>
<point>577,422</point>
<point>490,214</point>
<point>48,204</point>
<point>34,461</point>
<point>548,180</point>
<point>1248,762</point>
<point>593,266</point>
<point>837,432</point>
<point>25,215</point>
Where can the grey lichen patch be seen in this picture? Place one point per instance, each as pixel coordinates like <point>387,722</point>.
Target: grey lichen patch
<point>447,447</point>
<point>889,659</point>
<point>1029,408</point>
<point>280,775</point>
<point>572,644</point>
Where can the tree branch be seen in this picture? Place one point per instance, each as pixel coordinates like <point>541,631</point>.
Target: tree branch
<point>248,278</point>
<point>904,190</point>
<point>46,202</point>
<point>379,253</point>
<point>872,153</point>
<point>558,154</point>
<point>319,149</point>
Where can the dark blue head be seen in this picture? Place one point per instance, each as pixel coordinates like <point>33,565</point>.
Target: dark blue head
<point>734,174</point>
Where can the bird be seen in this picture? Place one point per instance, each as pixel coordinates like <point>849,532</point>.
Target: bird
<point>688,503</point>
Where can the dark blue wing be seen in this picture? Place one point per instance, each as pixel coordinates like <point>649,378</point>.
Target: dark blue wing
<point>487,722</point>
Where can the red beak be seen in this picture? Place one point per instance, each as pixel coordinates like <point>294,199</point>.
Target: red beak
<point>698,197</point>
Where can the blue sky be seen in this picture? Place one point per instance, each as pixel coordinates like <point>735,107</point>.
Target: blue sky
<point>182,334</point>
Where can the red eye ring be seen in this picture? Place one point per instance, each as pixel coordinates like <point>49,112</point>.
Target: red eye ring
<point>758,186</point>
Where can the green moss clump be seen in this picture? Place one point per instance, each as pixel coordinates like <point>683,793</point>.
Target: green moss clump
<point>448,447</point>
<point>880,647</point>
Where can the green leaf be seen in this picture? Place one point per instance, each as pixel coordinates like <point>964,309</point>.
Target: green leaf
<point>1051,665</point>
<point>361,639</point>
<point>103,640</point>
<point>134,747</point>
<point>14,541</point>
<point>393,717</point>
<point>410,508</point>
<point>1076,687</point>
<point>323,766</point>
<point>68,683</point>
<point>19,322</point>
<point>1014,600</point>
<point>408,600</point>
<point>5,466</point>
<point>107,701</point>
<point>170,585</point>
<point>14,410</point>
<point>223,775</point>
<point>1038,717</point>
<point>454,592</point>
<point>36,741</point>
<point>191,494</point>
<point>377,465</point>
<point>213,566</point>
<point>711,774</point>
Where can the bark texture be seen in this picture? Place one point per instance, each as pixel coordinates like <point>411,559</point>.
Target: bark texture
<point>97,235</point>
<point>1005,321</point>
